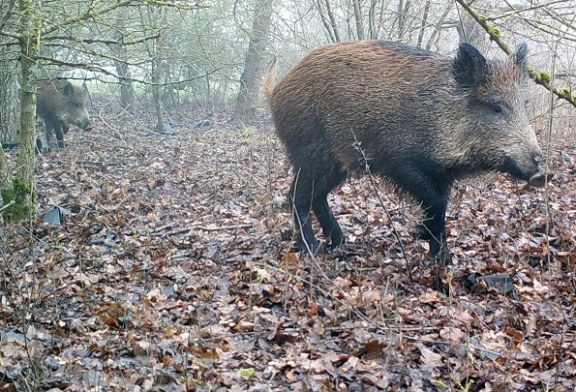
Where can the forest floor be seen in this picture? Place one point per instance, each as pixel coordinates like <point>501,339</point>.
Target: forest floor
<point>173,270</point>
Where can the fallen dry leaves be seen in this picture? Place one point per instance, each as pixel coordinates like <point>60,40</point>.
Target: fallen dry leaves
<point>174,271</point>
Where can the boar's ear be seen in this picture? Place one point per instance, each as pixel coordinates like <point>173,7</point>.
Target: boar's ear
<point>520,57</point>
<point>469,66</point>
<point>68,88</point>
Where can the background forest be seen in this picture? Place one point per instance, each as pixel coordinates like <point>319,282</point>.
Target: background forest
<point>154,250</point>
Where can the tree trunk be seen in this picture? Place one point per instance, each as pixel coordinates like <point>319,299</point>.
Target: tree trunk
<point>423,24</point>
<point>156,20</point>
<point>438,26</point>
<point>125,80</point>
<point>156,93</point>
<point>6,189</point>
<point>358,19</point>
<point>376,18</point>
<point>8,96</point>
<point>254,63</point>
<point>126,87</point>
<point>403,8</point>
<point>24,191</point>
<point>328,20</point>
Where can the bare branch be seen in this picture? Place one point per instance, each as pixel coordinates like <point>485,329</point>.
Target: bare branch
<point>104,71</point>
<point>99,41</point>
<point>92,13</point>
<point>562,93</point>
<point>516,11</point>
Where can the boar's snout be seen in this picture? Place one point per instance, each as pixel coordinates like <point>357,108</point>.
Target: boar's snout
<point>525,169</point>
<point>541,176</point>
<point>538,161</point>
<point>85,124</point>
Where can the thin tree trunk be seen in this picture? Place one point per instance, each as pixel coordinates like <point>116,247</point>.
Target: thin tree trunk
<point>8,97</point>
<point>154,51</point>
<point>27,130</point>
<point>254,63</point>
<point>328,20</point>
<point>126,87</point>
<point>156,94</point>
<point>358,19</point>
<point>423,24</point>
<point>24,186</point>
<point>6,188</point>
<point>332,20</point>
<point>403,8</point>
<point>438,26</point>
<point>325,21</point>
<point>372,26</point>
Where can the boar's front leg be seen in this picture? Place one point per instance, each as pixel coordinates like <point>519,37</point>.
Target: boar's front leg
<point>434,227</point>
<point>59,129</point>
<point>48,131</point>
<point>433,195</point>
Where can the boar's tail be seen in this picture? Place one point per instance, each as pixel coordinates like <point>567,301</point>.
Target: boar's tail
<point>270,79</point>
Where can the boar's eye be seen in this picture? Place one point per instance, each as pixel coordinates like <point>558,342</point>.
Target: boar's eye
<point>496,108</point>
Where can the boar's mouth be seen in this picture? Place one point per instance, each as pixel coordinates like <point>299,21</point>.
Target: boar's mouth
<point>511,166</point>
<point>84,124</point>
<point>539,179</point>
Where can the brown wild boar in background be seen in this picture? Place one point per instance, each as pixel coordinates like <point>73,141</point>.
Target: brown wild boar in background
<point>60,104</point>
<point>420,119</point>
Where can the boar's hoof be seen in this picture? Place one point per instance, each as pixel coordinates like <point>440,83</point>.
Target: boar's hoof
<point>442,257</point>
<point>312,247</point>
<point>336,239</point>
<point>538,180</point>
<point>333,245</point>
<point>424,234</point>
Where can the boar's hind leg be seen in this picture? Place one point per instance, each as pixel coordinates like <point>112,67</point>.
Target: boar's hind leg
<point>323,186</point>
<point>310,190</point>
<point>301,196</point>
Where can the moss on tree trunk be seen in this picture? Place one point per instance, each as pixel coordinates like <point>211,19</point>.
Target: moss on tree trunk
<point>19,201</point>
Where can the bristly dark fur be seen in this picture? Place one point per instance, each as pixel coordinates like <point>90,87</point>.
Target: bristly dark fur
<point>421,119</point>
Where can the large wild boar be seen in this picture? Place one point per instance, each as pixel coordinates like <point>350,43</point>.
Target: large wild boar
<point>60,104</point>
<point>420,119</point>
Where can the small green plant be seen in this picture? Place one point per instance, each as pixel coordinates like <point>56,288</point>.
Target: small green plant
<point>457,383</point>
<point>464,388</point>
<point>247,372</point>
